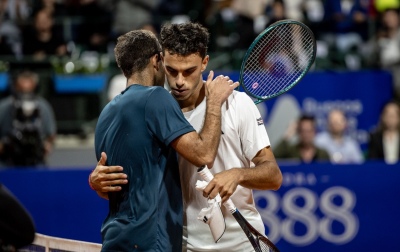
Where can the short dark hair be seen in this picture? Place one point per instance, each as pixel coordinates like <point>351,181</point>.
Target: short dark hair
<point>304,118</point>
<point>185,39</point>
<point>134,49</point>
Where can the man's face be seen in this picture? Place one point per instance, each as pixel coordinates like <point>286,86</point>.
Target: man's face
<point>184,74</point>
<point>306,131</point>
<point>390,116</point>
<point>337,122</point>
<point>25,85</point>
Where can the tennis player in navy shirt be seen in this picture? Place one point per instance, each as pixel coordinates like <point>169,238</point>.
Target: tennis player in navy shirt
<point>140,129</point>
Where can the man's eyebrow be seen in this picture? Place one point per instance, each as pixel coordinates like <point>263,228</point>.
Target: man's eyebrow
<point>187,69</point>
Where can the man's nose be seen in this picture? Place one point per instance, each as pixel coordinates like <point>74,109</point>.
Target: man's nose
<point>180,80</point>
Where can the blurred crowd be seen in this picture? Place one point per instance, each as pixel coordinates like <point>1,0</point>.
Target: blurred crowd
<point>345,29</point>
<point>302,143</point>
<point>351,34</point>
<point>79,36</point>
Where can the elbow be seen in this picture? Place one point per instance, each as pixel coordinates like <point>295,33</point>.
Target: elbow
<point>205,158</point>
<point>208,160</point>
<point>279,179</point>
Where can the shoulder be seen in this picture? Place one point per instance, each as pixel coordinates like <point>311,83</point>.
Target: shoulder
<point>241,101</point>
<point>43,102</point>
<point>322,136</point>
<point>159,91</point>
<point>351,141</point>
<point>322,153</point>
<point>240,97</point>
<point>160,97</point>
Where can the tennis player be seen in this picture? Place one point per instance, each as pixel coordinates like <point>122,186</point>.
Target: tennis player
<point>244,160</point>
<point>139,129</point>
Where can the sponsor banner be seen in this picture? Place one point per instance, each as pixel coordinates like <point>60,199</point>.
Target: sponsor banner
<point>320,207</point>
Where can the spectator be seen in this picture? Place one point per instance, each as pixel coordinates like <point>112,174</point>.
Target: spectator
<point>383,49</point>
<point>341,148</point>
<point>346,20</point>
<point>5,48</point>
<point>251,19</point>
<point>42,40</point>
<point>54,7</point>
<point>384,141</point>
<point>277,12</point>
<point>13,14</point>
<point>27,124</point>
<point>93,34</point>
<point>130,14</point>
<point>304,148</point>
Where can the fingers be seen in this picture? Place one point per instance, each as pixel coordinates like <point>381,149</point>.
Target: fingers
<point>111,169</point>
<point>220,89</point>
<point>111,189</point>
<point>212,190</point>
<point>235,84</point>
<point>103,159</point>
<point>210,76</point>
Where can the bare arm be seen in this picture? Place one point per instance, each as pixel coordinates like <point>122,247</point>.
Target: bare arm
<point>266,175</point>
<point>200,149</point>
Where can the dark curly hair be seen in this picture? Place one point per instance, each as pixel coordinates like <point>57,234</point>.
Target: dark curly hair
<point>134,49</point>
<point>184,39</point>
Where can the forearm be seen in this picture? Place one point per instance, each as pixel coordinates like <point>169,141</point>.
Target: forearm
<point>210,134</point>
<point>265,176</point>
<point>200,149</point>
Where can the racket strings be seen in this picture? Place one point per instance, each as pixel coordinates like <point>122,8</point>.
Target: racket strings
<point>286,61</point>
<point>266,247</point>
<point>278,60</point>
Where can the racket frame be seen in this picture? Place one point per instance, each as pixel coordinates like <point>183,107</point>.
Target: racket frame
<point>253,44</point>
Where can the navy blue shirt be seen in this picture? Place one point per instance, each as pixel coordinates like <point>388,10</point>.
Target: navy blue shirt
<point>135,130</point>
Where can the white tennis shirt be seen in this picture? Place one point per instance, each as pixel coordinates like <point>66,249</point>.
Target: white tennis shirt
<point>243,135</point>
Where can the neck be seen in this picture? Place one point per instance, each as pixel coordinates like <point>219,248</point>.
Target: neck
<point>44,36</point>
<point>390,133</point>
<point>141,79</point>
<point>195,99</point>
<point>306,146</point>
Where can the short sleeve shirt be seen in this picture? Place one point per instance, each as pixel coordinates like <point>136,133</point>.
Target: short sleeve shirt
<point>135,130</point>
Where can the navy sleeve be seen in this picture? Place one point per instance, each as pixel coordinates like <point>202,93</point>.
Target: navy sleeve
<point>164,116</point>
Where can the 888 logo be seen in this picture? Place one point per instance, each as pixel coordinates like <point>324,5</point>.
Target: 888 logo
<point>308,216</point>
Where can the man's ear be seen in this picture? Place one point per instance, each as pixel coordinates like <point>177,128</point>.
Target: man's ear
<point>204,63</point>
<point>155,60</point>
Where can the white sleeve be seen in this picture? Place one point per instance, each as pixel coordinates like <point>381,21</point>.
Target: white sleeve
<point>252,130</point>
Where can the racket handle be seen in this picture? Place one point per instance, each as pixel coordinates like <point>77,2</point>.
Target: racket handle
<point>205,173</point>
<point>208,176</point>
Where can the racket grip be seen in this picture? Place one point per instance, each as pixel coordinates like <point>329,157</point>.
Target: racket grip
<point>208,176</point>
<point>205,173</point>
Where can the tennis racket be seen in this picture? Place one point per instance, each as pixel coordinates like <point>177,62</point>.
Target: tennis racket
<point>277,59</point>
<point>259,242</point>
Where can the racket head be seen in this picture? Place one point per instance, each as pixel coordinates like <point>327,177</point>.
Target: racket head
<point>259,242</point>
<point>277,59</point>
